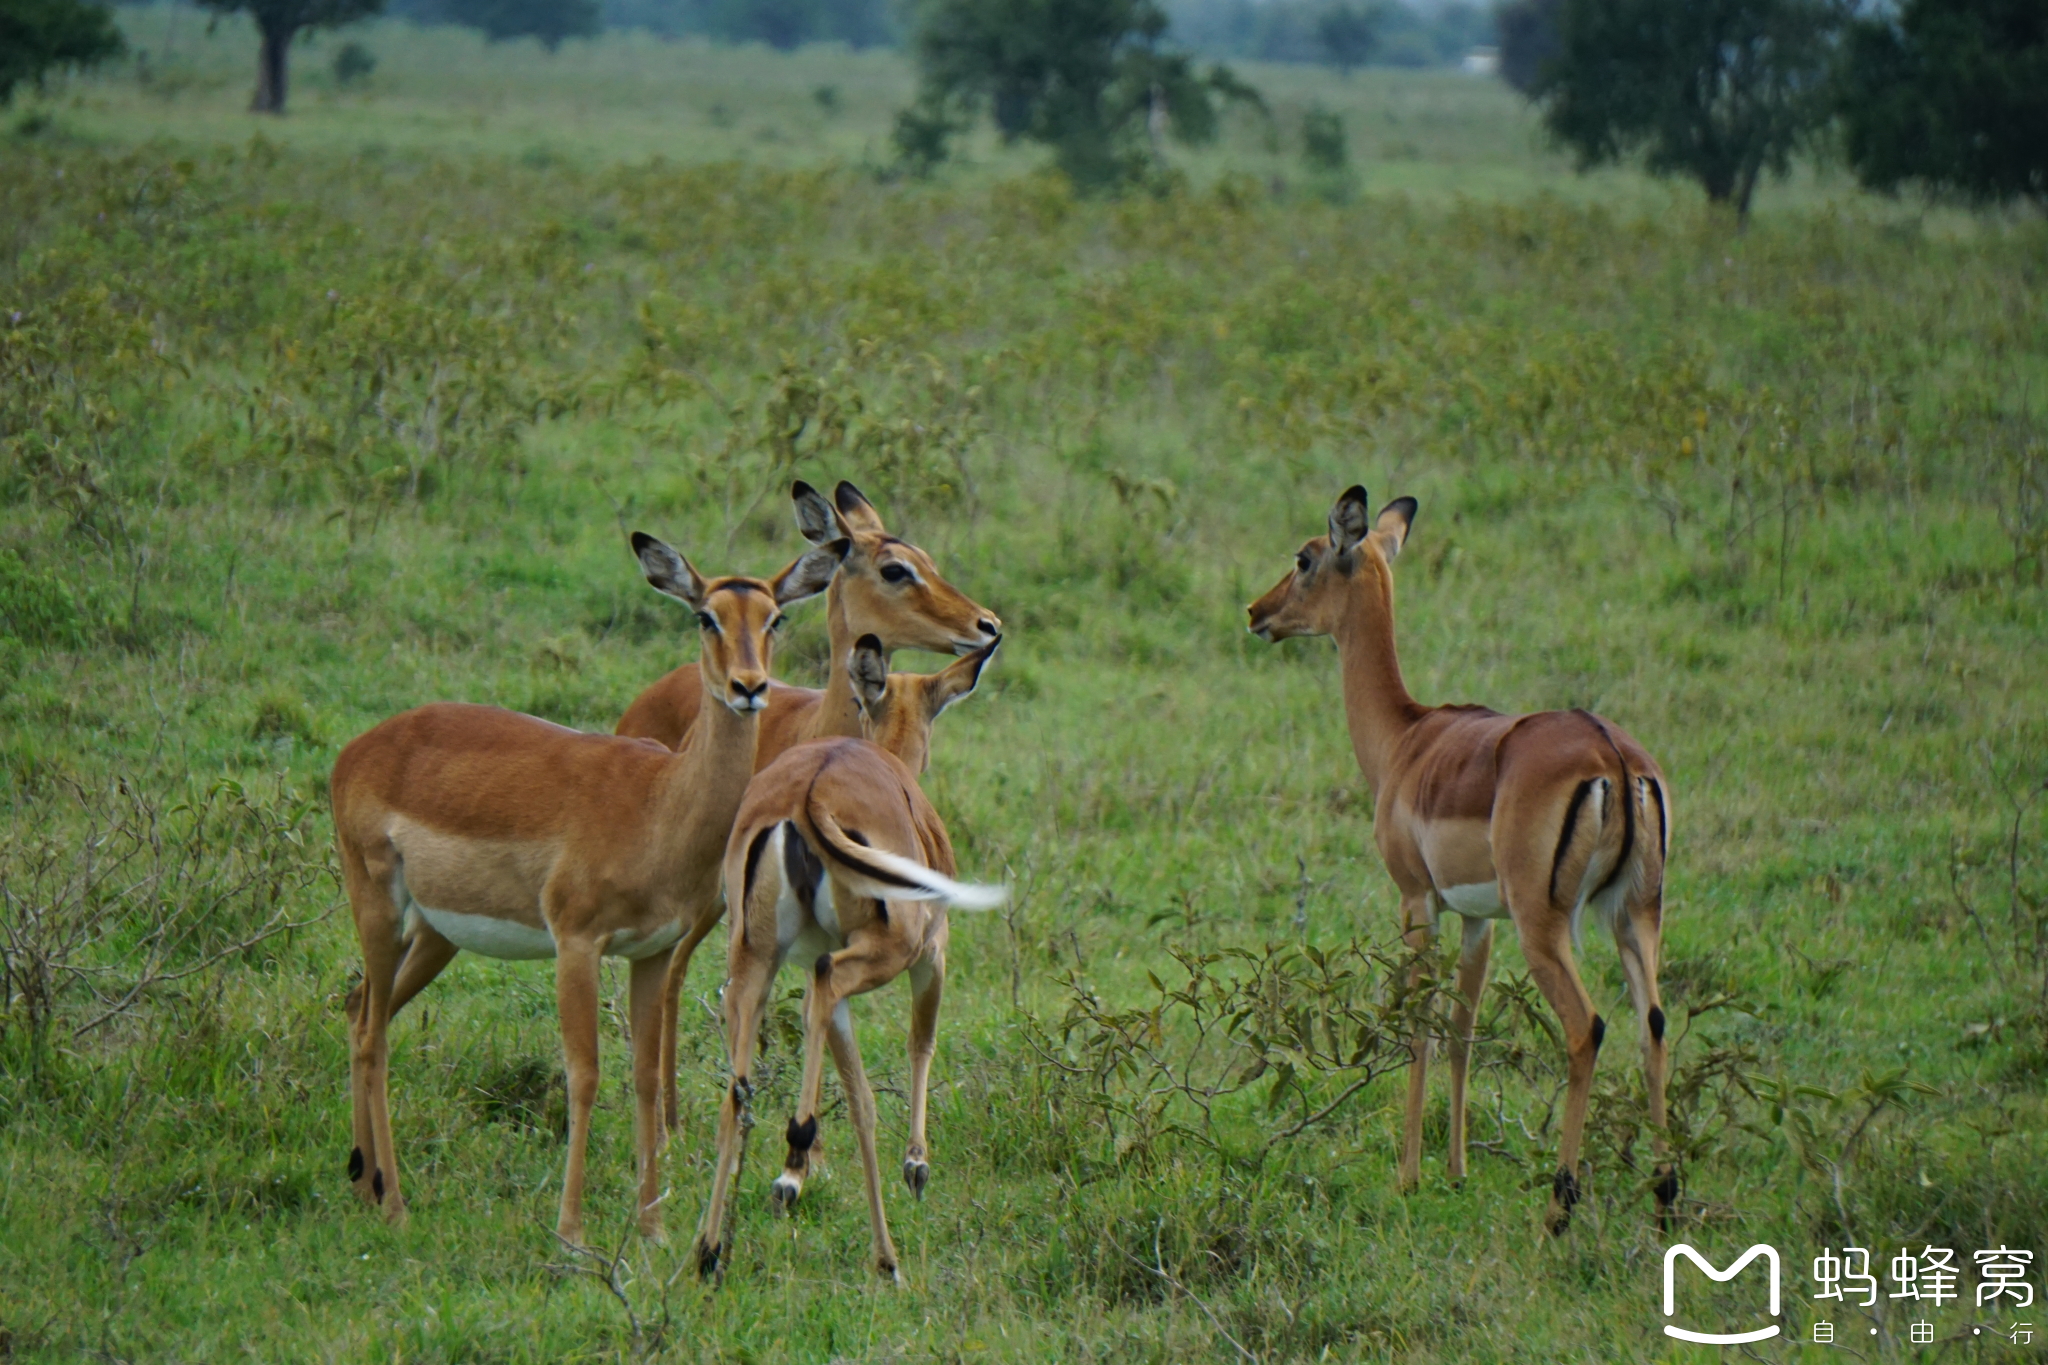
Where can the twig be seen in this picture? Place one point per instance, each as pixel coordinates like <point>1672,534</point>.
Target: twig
<point>1159,1269</point>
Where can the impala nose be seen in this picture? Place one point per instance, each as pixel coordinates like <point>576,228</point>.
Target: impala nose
<point>992,627</point>
<point>749,696</point>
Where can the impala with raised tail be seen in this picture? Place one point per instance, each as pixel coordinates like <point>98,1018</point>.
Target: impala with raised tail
<point>839,861</point>
<point>1532,818</point>
<point>515,838</point>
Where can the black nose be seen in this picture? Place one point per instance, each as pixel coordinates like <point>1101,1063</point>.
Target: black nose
<point>743,692</point>
<point>990,628</point>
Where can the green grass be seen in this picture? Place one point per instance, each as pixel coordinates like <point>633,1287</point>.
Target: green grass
<point>294,436</point>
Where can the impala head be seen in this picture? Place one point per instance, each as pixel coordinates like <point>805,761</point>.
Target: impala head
<point>897,709</point>
<point>1357,552</point>
<point>888,587</point>
<point>738,616</point>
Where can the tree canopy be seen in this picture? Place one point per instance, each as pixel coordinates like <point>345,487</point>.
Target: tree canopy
<point>1089,78</point>
<point>1348,34</point>
<point>277,23</point>
<point>550,21</point>
<point>37,36</point>
<point>1952,94</point>
<point>1720,91</point>
<point>1528,40</point>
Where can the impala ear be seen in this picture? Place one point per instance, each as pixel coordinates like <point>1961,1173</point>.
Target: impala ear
<point>860,514</point>
<point>868,666</point>
<point>814,514</point>
<point>810,575</point>
<point>668,571</point>
<point>1349,521</point>
<point>957,680</point>
<point>1390,532</point>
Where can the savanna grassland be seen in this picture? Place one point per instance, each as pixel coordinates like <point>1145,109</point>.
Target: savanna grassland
<point>296,432</point>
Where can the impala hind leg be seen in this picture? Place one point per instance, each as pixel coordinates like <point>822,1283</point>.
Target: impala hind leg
<point>927,982</point>
<point>650,974</point>
<point>1418,933</point>
<point>576,991</point>
<point>1546,945</point>
<point>427,955</point>
<point>860,1104</point>
<point>1638,932</point>
<point>802,1133</point>
<point>372,1167</point>
<point>678,961</point>
<point>749,979</point>
<point>1473,960</point>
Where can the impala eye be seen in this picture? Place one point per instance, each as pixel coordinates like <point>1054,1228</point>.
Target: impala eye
<point>896,573</point>
<point>779,622</point>
<point>707,621</point>
<point>1303,562</point>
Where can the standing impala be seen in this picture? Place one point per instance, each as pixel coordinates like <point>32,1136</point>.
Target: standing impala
<point>517,838</point>
<point>1531,818</point>
<point>887,588</point>
<point>838,859</point>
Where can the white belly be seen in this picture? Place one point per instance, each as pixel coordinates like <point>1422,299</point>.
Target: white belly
<point>1475,900</point>
<point>800,935</point>
<point>488,935</point>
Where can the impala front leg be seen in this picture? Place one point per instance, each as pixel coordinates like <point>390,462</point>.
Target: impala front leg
<point>751,974</point>
<point>696,927</point>
<point>576,989</point>
<point>1547,949</point>
<point>650,974</point>
<point>1473,958</point>
<point>1418,933</point>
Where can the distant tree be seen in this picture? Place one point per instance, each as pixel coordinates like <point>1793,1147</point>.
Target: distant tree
<point>1349,35</point>
<point>550,21</point>
<point>1952,94</point>
<point>277,23</point>
<point>1528,40</point>
<point>353,64</point>
<point>38,36</point>
<point>1089,78</point>
<point>1323,144</point>
<point>1717,90</point>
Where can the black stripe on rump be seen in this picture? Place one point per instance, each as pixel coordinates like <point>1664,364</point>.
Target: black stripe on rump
<point>801,867</point>
<point>747,878</point>
<point>1564,836</point>
<point>1628,805</point>
<point>1663,818</point>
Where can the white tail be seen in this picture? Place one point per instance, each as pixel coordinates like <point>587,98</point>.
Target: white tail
<point>889,876</point>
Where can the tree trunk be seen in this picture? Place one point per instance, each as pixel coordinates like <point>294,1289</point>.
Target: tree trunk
<point>272,69</point>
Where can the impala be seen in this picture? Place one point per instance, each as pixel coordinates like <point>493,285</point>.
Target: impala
<point>838,859</point>
<point>1532,818</point>
<point>517,838</point>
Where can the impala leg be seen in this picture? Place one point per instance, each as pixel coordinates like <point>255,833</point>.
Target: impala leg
<point>1637,933</point>
<point>927,981</point>
<point>747,984</point>
<point>1547,948</point>
<point>576,990</point>
<point>372,1167</point>
<point>1473,960</point>
<point>803,1128</point>
<point>427,955</point>
<point>1418,934</point>
<point>671,1009</point>
<point>860,1103</point>
<point>650,975</point>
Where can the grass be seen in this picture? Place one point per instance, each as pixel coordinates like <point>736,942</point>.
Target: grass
<point>296,435</point>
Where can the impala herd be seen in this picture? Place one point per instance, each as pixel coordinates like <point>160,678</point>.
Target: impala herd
<point>470,827</point>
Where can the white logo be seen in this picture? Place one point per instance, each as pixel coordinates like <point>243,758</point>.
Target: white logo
<point>1769,1253</point>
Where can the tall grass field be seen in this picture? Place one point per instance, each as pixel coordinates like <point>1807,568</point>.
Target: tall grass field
<point>308,421</point>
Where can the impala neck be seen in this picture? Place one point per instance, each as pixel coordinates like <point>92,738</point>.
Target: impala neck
<point>1376,701</point>
<point>706,781</point>
<point>838,710</point>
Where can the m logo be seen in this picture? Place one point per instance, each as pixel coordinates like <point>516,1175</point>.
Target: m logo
<point>1769,1253</point>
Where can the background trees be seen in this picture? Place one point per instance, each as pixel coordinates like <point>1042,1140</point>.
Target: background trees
<point>1952,94</point>
<point>1089,78</point>
<point>1719,91</point>
<point>550,21</point>
<point>277,23</point>
<point>38,35</point>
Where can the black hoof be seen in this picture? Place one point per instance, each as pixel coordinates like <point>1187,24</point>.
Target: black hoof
<point>377,1186</point>
<point>1564,1193</point>
<point>355,1164</point>
<point>917,1175</point>
<point>707,1261</point>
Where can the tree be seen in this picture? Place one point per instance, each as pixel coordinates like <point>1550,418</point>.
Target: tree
<point>1950,93</point>
<point>277,23</point>
<point>1717,90</point>
<point>550,21</point>
<point>37,36</point>
<point>1528,40</point>
<point>1348,35</point>
<point>1088,78</point>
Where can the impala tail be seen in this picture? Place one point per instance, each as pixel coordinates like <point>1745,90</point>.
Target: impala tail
<point>875,872</point>
<point>1612,840</point>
